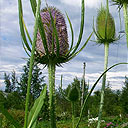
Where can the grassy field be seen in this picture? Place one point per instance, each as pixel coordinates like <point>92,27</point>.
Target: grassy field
<point>111,122</point>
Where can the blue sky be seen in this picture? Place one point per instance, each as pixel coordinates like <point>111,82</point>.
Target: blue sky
<point>12,53</point>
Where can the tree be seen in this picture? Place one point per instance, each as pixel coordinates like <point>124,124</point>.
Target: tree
<point>37,82</point>
<point>10,82</point>
<point>124,97</point>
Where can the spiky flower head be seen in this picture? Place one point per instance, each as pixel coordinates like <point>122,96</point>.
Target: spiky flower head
<point>61,28</point>
<point>74,94</point>
<point>105,29</point>
<point>120,3</point>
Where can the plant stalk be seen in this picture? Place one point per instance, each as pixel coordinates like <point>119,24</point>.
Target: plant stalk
<point>31,63</point>
<point>106,45</point>
<point>83,86</point>
<point>51,71</point>
<point>73,115</point>
<point>125,10</point>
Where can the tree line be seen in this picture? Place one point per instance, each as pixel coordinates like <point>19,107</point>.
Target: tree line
<point>116,101</point>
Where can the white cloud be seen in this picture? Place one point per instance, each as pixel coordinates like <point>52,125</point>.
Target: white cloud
<point>88,3</point>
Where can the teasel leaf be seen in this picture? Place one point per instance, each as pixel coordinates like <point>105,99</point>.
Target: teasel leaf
<point>23,35</point>
<point>33,114</point>
<point>72,33</point>
<point>9,116</point>
<point>81,28</point>
<point>55,32</point>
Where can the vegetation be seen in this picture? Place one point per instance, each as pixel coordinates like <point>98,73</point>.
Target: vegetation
<point>114,110</point>
<point>27,103</point>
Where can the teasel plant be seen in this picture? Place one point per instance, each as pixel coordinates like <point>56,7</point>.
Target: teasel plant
<point>123,4</point>
<point>52,47</point>
<point>72,97</point>
<point>106,34</point>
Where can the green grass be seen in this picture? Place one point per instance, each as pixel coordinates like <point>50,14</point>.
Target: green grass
<point>68,123</point>
<point>84,123</point>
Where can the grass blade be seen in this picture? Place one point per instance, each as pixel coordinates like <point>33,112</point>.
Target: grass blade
<point>33,114</point>
<point>9,117</point>
<point>22,26</point>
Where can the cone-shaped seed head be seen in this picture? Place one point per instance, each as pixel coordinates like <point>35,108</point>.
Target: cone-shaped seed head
<point>74,94</point>
<point>100,24</point>
<point>61,30</point>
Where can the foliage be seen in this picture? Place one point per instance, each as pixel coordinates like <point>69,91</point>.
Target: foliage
<point>17,114</point>
<point>10,82</point>
<point>37,82</point>
<point>124,97</point>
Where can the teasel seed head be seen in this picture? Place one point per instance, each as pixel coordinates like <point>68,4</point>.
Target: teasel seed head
<point>105,32</point>
<point>61,31</point>
<point>74,94</point>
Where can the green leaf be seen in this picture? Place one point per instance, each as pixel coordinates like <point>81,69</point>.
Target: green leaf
<point>33,114</point>
<point>22,25</point>
<point>9,117</point>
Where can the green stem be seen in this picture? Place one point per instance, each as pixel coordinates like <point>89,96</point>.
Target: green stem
<point>31,63</point>
<point>73,115</point>
<point>51,71</point>
<point>103,84</point>
<point>125,7</point>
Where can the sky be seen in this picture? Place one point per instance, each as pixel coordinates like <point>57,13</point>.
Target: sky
<point>12,52</point>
